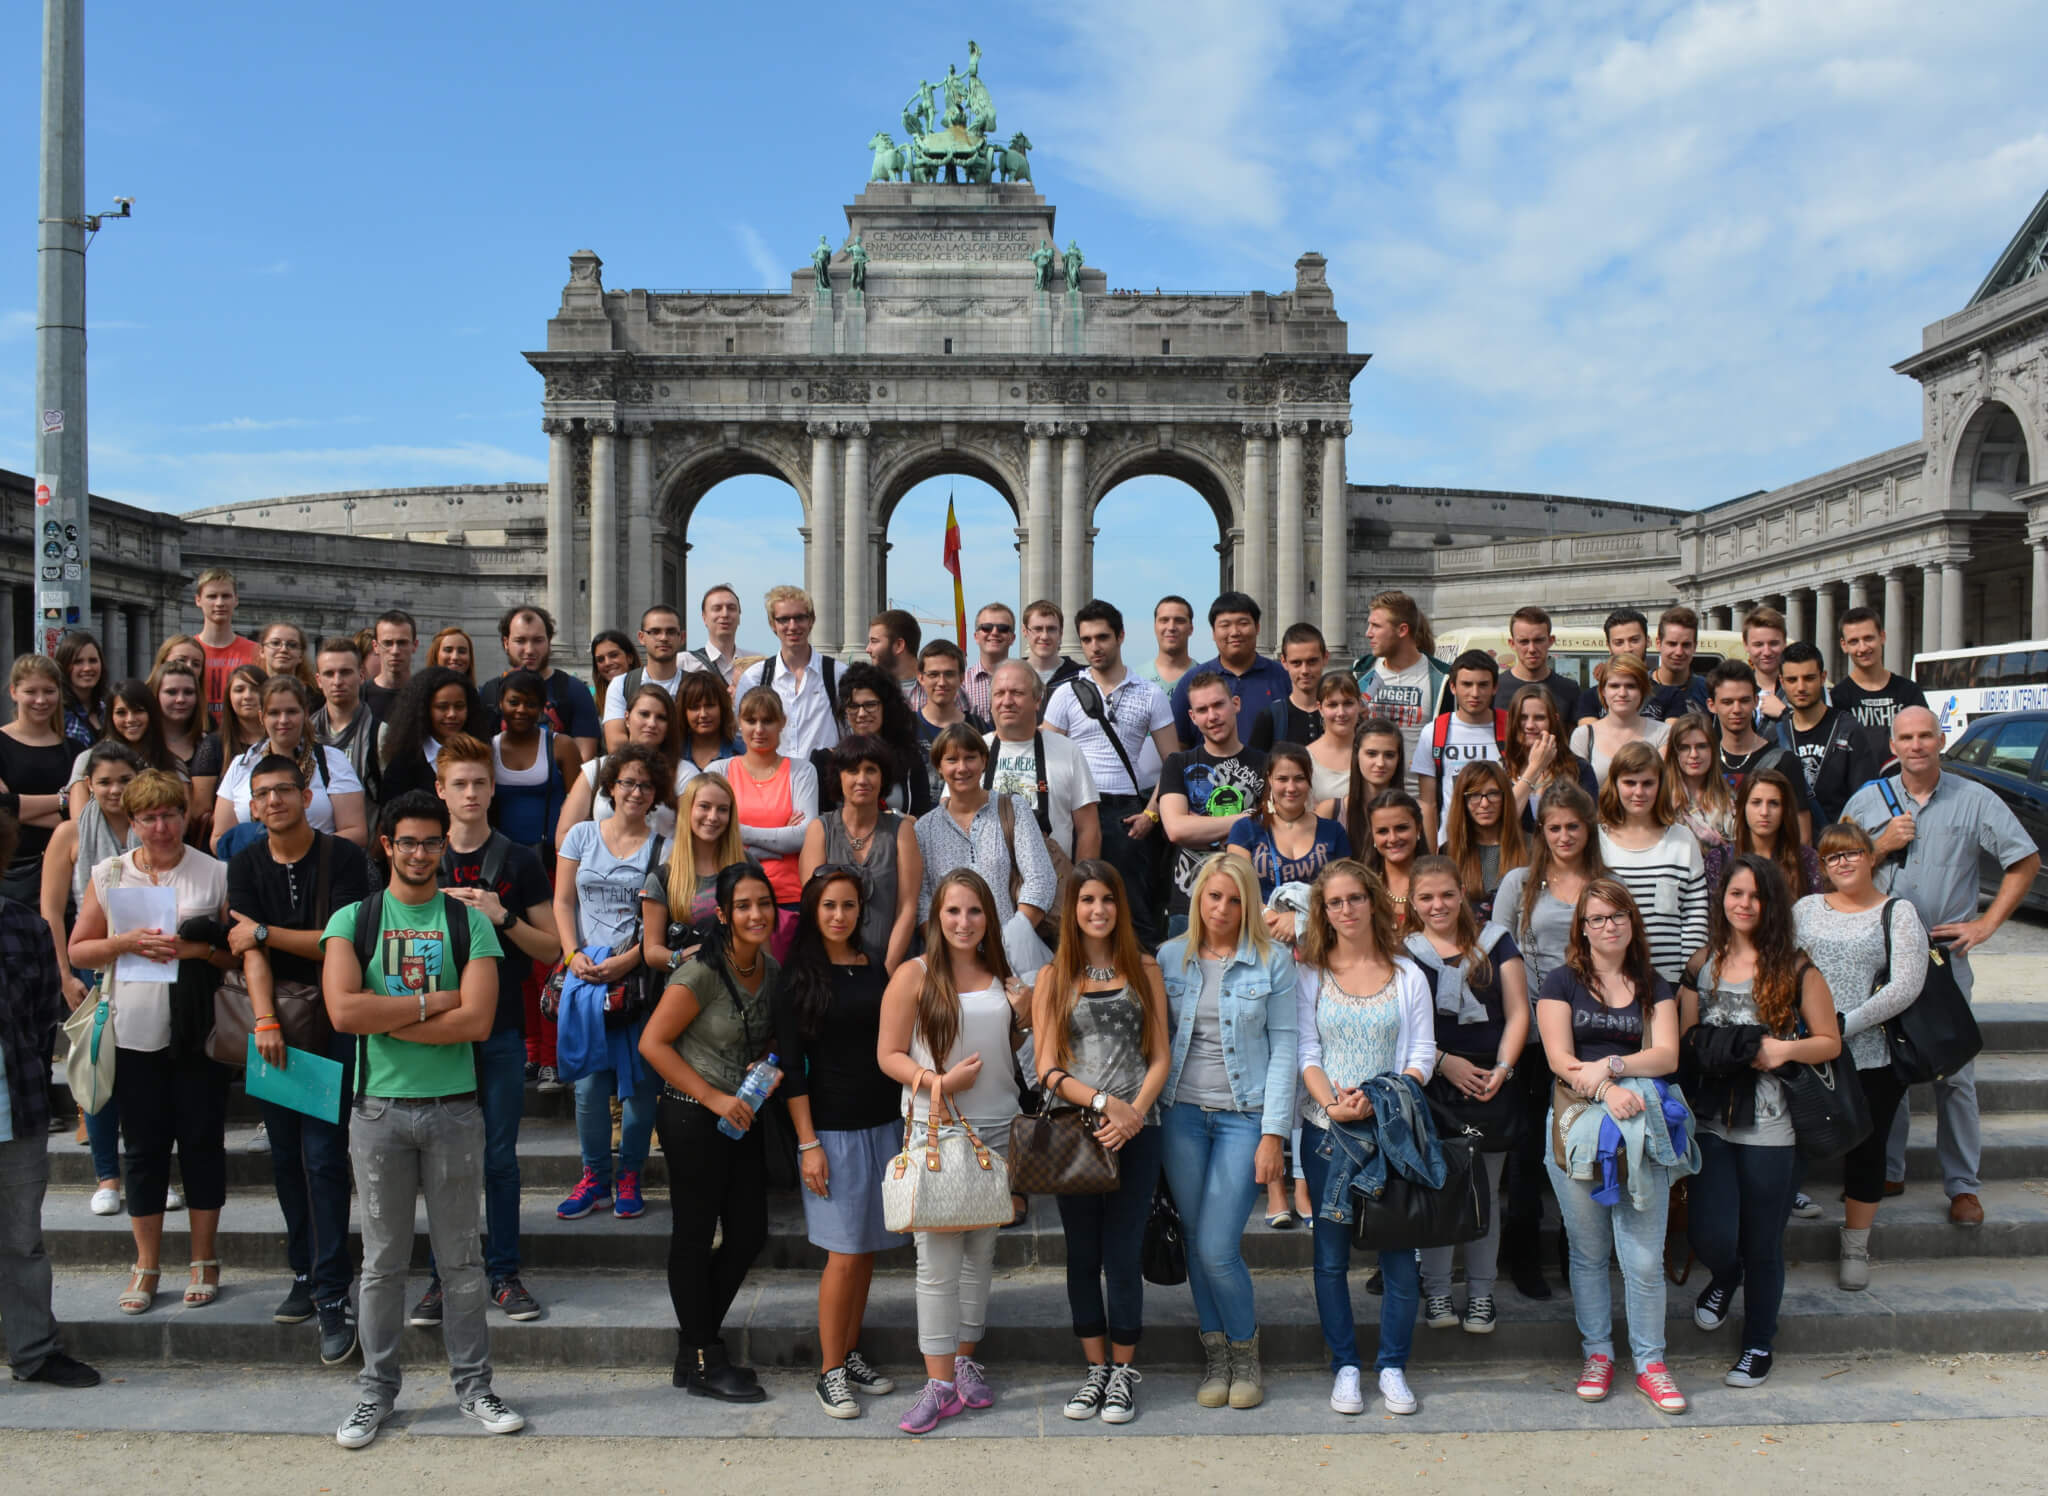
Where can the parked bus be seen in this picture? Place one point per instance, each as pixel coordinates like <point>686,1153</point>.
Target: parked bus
<point>1962,684</point>
<point>1575,651</point>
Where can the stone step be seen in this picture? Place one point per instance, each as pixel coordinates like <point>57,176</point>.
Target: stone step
<point>252,1240</point>
<point>623,1319</point>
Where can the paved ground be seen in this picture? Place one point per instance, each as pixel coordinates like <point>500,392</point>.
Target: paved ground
<point>2025,934</point>
<point>1875,1425</point>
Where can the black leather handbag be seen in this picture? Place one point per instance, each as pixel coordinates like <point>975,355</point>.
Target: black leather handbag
<point>1500,1122</point>
<point>1409,1215</point>
<point>1937,1034</point>
<point>1163,1256</point>
<point>1830,1114</point>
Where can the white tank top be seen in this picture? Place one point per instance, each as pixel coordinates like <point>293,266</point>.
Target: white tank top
<point>991,1101</point>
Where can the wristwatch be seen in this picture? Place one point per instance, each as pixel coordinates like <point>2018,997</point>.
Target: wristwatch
<point>262,936</point>
<point>675,959</point>
<point>1614,1066</point>
<point>1099,1102</point>
<point>1507,1072</point>
<point>511,918</point>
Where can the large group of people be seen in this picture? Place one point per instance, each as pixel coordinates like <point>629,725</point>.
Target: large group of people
<point>1270,926</point>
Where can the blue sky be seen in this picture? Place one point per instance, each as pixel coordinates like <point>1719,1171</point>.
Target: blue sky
<point>1657,252</point>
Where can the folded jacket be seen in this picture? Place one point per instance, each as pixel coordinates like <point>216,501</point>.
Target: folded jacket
<point>1400,1134</point>
<point>1610,1152</point>
<point>1715,1061</point>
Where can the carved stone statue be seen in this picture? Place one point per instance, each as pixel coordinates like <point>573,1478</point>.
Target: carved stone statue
<point>956,97</point>
<point>1074,263</point>
<point>1041,266</point>
<point>821,262</point>
<point>857,256</point>
<point>1015,164</point>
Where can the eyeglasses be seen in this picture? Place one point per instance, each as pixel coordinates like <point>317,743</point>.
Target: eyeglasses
<point>1605,921</point>
<point>1482,796</point>
<point>1346,901</point>
<point>412,846</point>
<point>633,787</point>
<point>785,620</point>
<point>1834,858</point>
<point>277,792</point>
<point>158,817</point>
<point>863,708</point>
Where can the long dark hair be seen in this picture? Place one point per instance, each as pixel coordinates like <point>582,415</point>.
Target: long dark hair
<point>233,742</point>
<point>1399,800</point>
<point>1067,961</point>
<point>1573,800</point>
<point>1635,962</point>
<point>137,697</point>
<point>1288,753</point>
<point>1789,843</point>
<point>624,642</point>
<point>1465,930</point>
<point>1779,962</point>
<point>1462,842</point>
<point>1359,795</point>
<point>938,997</point>
<point>717,949</point>
<point>412,714</point>
<point>807,969</point>
<point>94,701</point>
<point>899,730</point>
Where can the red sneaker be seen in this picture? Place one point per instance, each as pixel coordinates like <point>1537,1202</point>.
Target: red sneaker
<point>1596,1378</point>
<point>1654,1382</point>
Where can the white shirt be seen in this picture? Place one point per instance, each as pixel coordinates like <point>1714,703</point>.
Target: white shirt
<point>812,723</point>
<point>722,665</point>
<point>615,693</point>
<point>1067,780</point>
<point>341,780</point>
<point>1137,707</point>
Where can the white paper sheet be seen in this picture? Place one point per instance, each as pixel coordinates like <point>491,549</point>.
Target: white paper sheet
<point>143,907</point>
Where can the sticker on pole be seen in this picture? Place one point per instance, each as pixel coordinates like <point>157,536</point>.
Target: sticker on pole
<point>43,493</point>
<point>53,422</point>
<point>74,572</point>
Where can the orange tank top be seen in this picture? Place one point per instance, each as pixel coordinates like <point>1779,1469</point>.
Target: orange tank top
<point>766,804</point>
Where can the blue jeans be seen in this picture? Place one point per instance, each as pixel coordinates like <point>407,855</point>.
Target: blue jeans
<point>309,1169</point>
<point>1105,1242</point>
<point>1740,1201</point>
<point>103,1135</point>
<point>1637,1239</point>
<point>1402,1272</point>
<point>501,1097</point>
<point>1209,1169</point>
<point>594,1125</point>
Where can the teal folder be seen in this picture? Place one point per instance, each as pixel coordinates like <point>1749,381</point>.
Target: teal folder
<point>306,1082</point>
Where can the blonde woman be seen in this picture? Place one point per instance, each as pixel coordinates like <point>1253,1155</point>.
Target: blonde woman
<point>1623,690</point>
<point>678,903</point>
<point>1230,1106</point>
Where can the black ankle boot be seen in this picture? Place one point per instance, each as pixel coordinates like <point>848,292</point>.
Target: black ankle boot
<point>1520,1251</point>
<point>713,1375</point>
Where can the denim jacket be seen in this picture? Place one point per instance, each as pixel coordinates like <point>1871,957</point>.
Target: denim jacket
<point>1635,1141</point>
<point>1400,1134</point>
<point>1256,1006</point>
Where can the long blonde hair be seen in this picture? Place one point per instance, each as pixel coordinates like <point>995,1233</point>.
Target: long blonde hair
<point>1126,955</point>
<point>938,997</point>
<point>1713,802</point>
<point>682,858</point>
<point>1251,927</point>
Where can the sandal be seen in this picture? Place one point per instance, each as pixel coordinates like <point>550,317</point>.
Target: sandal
<point>200,1293</point>
<point>134,1300</point>
<point>1020,1211</point>
<point>1281,1220</point>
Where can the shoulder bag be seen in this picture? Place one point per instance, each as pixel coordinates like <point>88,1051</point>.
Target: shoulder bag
<point>1830,1114</point>
<point>1409,1215</point>
<point>951,1183</point>
<point>1056,1152</point>
<point>300,1008</point>
<point>1048,926</point>
<point>1937,1034</point>
<point>1163,1255</point>
<point>89,1066</point>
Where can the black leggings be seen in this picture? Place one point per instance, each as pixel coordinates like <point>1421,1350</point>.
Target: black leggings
<point>1525,1180</point>
<point>1863,1165</point>
<point>165,1101</point>
<point>712,1180</point>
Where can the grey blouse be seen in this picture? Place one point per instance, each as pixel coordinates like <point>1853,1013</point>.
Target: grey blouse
<point>1849,950</point>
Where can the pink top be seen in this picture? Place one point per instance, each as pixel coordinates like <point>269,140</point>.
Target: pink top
<point>768,804</point>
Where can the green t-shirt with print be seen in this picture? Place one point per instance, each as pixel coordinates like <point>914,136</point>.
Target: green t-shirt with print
<point>413,957</point>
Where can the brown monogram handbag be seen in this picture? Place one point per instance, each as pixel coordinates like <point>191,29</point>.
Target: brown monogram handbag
<point>1056,1152</point>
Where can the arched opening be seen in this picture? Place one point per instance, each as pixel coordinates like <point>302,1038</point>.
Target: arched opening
<point>1163,523</point>
<point>1991,462</point>
<point>739,523</point>
<point>910,519</point>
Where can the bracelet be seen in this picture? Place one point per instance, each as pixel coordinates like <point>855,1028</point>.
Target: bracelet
<point>268,1025</point>
<point>1152,815</point>
<point>807,1147</point>
<point>423,1007</point>
<point>1600,1091</point>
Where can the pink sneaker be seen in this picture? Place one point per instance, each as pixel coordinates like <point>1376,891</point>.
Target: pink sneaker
<point>1654,1382</point>
<point>936,1402</point>
<point>1596,1378</point>
<point>974,1388</point>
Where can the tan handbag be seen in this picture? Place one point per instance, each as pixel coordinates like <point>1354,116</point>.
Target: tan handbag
<point>952,1183</point>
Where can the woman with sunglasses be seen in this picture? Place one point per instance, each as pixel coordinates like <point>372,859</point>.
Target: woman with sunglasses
<point>847,1115</point>
<point>871,704</point>
<point>1606,1016</point>
<point>1863,943</point>
<point>880,845</point>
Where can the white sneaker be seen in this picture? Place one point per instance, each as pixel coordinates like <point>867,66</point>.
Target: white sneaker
<point>106,1201</point>
<point>1394,1388</point>
<point>1345,1396</point>
<point>172,1199</point>
<point>487,1409</point>
<point>259,1140</point>
<point>361,1425</point>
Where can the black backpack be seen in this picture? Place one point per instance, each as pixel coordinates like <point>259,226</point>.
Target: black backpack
<point>828,667</point>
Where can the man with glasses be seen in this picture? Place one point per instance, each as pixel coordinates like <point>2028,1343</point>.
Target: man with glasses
<point>807,681</point>
<point>421,1002</point>
<point>527,635</point>
<point>1043,625</point>
<point>995,630</point>
<point>661,644</point>
<point>281,892</point>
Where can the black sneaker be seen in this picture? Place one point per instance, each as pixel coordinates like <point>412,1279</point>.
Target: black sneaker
<point>1087,1399</point>
<point>337,1333</point>
<point>835,1396</point>
<point>1711,1312</point>
<point>1751,1370</point>
<point>297,1307</point>
<point>427,1312</point>
<point>864,1378</point>
<point>60,1370</point>
<point>510,1295</point>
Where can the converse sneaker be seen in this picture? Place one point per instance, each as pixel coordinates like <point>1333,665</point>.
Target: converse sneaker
<point>1395,1391</point>
<point>1087,1399</point>
<point>835,1394</point>
<point>1596,1377</point>
<point>1654,1382</point>
<point>1345,1396</point>
<point>487,1409</point>
<point>1479,1315</point>
<point>427,1312</point>
<point>360,1427</point>
<point>1119,1404</point>
<point>549,1081</point>
<point>1439,1313</point>
<point>1752,1369</point>
<point>1711,1312</point>
<point>864,1378</point>
<point>1805,1207</point>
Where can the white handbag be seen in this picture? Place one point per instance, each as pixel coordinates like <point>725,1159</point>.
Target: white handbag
<point>89,1067</point>
<point>952,1183</point>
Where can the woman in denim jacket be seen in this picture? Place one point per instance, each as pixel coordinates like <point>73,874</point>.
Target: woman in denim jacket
<point>1230,1094</point>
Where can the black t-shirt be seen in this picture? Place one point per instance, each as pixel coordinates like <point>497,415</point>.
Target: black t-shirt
<point>570,710</point>
<point>380,697</point>
<point>1669,703</point>
<point>1284,722</point>
<point>1562,688</point>
<point>836,1067</point>
<point>1214,787</point>
<point>285,895</point>
<point>520,884</point>
<point>1875,709</point>
<point>30,769</point>
<point>1599,1031</point>
<point>1769,756</point>
<point>1838,756</point>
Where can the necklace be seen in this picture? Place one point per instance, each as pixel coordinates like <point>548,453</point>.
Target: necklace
<point>747,971</point>
<point>1099,973</point>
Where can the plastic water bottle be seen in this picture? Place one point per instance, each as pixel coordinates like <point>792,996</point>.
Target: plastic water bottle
<point>761,1079</point>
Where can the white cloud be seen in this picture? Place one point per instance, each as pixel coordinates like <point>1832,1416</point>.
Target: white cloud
<point>768,266</point>
<point>251,423</point>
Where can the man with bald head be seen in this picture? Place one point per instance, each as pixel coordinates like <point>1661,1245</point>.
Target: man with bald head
<point>1930,828</point>
<point>1048,771</point>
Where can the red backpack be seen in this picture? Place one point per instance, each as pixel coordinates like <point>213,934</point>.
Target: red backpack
<point>1440,734</point>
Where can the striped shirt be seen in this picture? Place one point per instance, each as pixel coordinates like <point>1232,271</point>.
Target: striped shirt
<point>1668,880</point>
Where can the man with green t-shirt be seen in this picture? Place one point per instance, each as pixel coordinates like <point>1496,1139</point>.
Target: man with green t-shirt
<point>420,999</point>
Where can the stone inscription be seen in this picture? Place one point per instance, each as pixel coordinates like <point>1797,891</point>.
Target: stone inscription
<point>949,244</point>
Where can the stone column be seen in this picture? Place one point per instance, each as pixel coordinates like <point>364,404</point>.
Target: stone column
<point>1038,512</point>
<point>1254,574</point>
<point>1333,579</point>
<point>1859,592</point>
<point>604,526</point>
<point>1074,544</point>
<point>1952,603</point>
<point>858,557</point>
<point>2039,546</point>
<point>561,519</point>
<point>112,666</point>
<point>1895,623</point>
<point>643,559</point>
<point>1795,615</point>
<point>139,645</point>
<point>1930,605</point>
<point>826,565</point>
<point>1290,554</point>
<point>1824,631</point>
